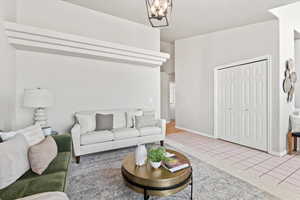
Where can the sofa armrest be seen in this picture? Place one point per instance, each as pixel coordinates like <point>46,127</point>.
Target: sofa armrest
<point>162,125</point>
<point>75,131</point>
<point>63,142</point>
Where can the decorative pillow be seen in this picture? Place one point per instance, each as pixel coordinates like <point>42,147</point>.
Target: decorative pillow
<point>149,113</point>
<point>14,160</point>
<point>42,154</point>
<point>104,122</point>
<point>33,134</point>
<point>130,118</point>
<point>119,120</point>
<point>145,121</point>
<point>7,135</point>
<point>87,122</point>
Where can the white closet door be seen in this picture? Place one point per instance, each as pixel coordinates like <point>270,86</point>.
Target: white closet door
<point>254,103</point>
<point>242,104</point>
<point>225,104</point>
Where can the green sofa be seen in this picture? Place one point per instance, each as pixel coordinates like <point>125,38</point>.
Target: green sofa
<point>53,179</point>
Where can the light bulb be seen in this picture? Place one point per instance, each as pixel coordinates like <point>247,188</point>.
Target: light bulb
<point>161,12</point>
<point>156,3</point>
<point>165,5</point>
<point>153,10</point>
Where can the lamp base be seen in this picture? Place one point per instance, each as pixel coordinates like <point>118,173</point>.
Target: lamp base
<point>40,117</point>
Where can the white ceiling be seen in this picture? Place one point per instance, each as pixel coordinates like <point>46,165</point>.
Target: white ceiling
<point>192,17</point>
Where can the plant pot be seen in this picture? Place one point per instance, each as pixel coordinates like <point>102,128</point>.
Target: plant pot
<point>155,165</point>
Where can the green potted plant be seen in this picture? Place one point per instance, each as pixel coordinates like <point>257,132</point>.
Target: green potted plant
<point>156,156</point>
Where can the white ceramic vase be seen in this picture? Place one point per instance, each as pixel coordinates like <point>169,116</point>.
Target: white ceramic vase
<point>140,155</point>
<point>155,165</point>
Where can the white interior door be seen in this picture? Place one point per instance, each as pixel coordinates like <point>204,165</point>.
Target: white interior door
<point>242,104</point>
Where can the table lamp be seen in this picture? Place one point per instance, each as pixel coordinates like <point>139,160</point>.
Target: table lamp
<point>39,99</point>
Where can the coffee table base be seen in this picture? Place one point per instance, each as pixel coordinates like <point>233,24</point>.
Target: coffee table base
<point>160,191</point>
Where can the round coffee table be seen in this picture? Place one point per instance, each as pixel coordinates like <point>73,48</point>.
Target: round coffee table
<point>156,182</point>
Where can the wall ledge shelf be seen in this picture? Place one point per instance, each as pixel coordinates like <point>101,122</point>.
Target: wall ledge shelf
<point>31,38</point>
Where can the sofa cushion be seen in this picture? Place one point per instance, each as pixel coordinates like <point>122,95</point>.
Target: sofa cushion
<point>30,186</point>
<point>42,154</point>
<point>96,137</point>
<point>123,133</point>
<point>60,163</point>
<point>104,122</point>
<point>146,131</point>
<point>87,122</point>
<point>13,160</point>
<point>47,196</point>
<point>64,142</point>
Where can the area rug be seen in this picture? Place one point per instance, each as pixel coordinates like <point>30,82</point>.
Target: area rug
<point>98,177</point>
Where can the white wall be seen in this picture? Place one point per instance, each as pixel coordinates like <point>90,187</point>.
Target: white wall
<point>84,84</point>
<point>164,96</point>
<point>297,59</point>
<point>167,75</point>
<point>70,18</point>
<point>7,68</point>
<point>288,17</point>
<point>196,57</point>
<point>79,83</point>
<point>169,48</point>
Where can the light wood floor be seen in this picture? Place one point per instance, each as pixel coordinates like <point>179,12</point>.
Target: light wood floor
<point>172,129</point>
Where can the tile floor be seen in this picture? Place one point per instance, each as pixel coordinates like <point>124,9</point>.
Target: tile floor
<point>280,170</point>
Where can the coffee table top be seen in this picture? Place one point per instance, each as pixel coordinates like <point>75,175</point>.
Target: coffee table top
<point>148,176</point>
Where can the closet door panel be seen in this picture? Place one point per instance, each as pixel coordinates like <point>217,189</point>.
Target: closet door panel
<point>221,104</point>
<point>242,104</point>
<point>254,118</point>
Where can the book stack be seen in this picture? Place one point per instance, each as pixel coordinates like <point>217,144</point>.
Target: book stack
<point>174,163</point>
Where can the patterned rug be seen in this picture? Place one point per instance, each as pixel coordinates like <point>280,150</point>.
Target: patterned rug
<point>98,177</point>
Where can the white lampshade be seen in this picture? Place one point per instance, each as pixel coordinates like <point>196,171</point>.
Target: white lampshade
<point>38,98</point>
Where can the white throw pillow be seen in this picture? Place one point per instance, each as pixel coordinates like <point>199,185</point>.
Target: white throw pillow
<point>33,134</point>
<point>136,114</point>
<point>7,135</point>
<point>130,118</point>
<point>14,160</point>
<point>119,120</point>
<point>87,122</point>
<point>149,113</point>
<point>145,121</point>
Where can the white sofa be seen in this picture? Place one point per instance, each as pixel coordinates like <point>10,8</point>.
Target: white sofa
<point>122,135</point>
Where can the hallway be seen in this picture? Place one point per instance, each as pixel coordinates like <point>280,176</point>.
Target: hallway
<point>171,128</point>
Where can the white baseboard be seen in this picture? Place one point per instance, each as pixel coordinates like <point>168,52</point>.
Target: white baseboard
<point>196,132</point>
<point>280,154</point>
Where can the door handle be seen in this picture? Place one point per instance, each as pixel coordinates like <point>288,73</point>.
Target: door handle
<point>246,110</point>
